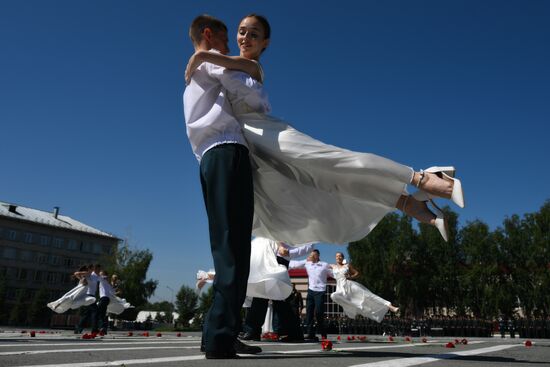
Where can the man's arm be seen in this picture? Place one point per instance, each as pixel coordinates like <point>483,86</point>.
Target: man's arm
<point>300,251</point>
<point>230,62</point>
<point>297,264</point>
<point>243,86</point>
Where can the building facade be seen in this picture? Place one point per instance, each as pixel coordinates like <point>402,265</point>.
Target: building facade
<point>40,249</point>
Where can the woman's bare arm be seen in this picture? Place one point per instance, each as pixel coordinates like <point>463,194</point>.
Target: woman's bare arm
<point>229,62</point>
<point>352,272</point>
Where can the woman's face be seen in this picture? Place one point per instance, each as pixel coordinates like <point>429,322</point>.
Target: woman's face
<point>339,258</point>
<point>251,38</point>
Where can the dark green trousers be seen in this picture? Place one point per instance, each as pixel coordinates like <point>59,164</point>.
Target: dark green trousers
<point>226,179</point>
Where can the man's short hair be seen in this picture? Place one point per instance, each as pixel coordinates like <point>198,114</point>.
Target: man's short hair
<point>317,251</point>
<point>202,22</point>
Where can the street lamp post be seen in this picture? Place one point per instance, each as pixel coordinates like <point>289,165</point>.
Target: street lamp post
<point>172,294</point>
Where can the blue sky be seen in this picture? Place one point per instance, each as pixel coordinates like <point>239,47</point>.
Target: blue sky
<point>92,121</point>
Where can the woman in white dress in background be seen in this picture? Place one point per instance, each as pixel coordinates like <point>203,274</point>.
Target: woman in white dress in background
<point>309,191</point>
<point>354,298</point>
<point>76,297</point>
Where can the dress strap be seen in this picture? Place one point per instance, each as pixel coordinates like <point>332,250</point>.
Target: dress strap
<point>260,71</point>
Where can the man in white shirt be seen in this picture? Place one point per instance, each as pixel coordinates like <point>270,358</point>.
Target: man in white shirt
<point>287,323</point>
<point>89,313</point>
<point>105,293</point>
<point>226,178</point>
<point>318,273</point>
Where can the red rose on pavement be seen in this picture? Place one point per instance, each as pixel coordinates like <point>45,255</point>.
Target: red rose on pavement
<point>326,345</point>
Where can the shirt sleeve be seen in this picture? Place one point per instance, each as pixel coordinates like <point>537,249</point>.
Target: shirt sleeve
<point>242,85</point>
<point>297,264</point>
<point>300,251</point>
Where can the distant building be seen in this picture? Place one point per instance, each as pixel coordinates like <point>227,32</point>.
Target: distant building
<point>42,249</point>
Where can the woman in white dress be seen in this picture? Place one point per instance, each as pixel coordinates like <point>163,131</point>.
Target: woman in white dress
<point>309,191</point>
<point>354,298</point>
<point>76,297</point>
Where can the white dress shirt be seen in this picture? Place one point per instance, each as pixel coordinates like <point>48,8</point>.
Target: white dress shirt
<point>105,289</point>
<point>317,273</point>
<point>294,252</point>
<point>92,280</point>
<point>209,117</point>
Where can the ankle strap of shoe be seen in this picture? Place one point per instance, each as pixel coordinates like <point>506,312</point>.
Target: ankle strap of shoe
<point>422,174</point>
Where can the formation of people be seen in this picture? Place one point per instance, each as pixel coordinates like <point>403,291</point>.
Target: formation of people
<point>97,295</point>
<point>262,177</point>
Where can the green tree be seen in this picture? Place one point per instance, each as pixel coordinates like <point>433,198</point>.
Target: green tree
<point>164,306</point>
<point>131,266</point>
<point>39,313</point>
<point>19,310</point>
<point>186,305</point>
<point>480,275</point>
<point>205,301</point>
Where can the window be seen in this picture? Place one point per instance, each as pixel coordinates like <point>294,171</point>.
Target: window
<point>68,262</point>
<point>86,247</point>
<point>97,248</point>
<point>38,275</point>
<point>12,235</point>
<point>26,255</point>
<point>9,253</point>
<point>57,242</point>
<point>41,258</point>
<point>11,273</point>
<point>72,245</point>
<point>44,240</point>
<point>28,237</point>
<point>22,274</point>
<point>10,293</point>
<point>66,278</point>
<point>54,260</point>
<point>52,277</point>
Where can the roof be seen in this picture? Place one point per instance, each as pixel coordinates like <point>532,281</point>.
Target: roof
<point>22,213</point>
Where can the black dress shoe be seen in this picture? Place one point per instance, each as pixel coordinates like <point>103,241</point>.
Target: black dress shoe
<point>242,348</point>
<point>221,355</point>
<point>251,336</point>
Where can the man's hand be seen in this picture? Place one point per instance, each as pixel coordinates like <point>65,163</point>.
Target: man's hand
<point>282,251</point>
<point>192,65</point>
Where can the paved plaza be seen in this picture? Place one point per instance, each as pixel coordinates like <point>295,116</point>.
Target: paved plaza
<point>54,348</point>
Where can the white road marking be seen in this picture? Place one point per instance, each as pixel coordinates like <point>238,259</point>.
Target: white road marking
<point>414,361</point>
<point>46,351</point>
<point>122,362</point>
<point>114,342</point>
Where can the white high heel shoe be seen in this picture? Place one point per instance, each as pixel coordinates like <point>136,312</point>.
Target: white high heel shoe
<point>457,196</point>
<point>440,222</point>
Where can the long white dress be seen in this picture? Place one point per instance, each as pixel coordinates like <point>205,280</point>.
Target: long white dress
<point>356,299</point>
<point>267,279</point>
<point>73,299</point>
<point>309,191</point>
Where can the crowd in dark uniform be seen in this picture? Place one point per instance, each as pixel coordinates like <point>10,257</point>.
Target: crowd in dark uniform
<point>455,326</point>
<point>537,328</point>
<point>429,326</point>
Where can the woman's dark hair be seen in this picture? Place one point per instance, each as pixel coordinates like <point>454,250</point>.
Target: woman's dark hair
<point>263,20</point>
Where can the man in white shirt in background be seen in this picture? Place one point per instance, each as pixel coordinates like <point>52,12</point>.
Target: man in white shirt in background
<point>317,273</point>
<point>286,322</point>
<point>105,292</point>
<point>89,313</point>
<point>226,178</point>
